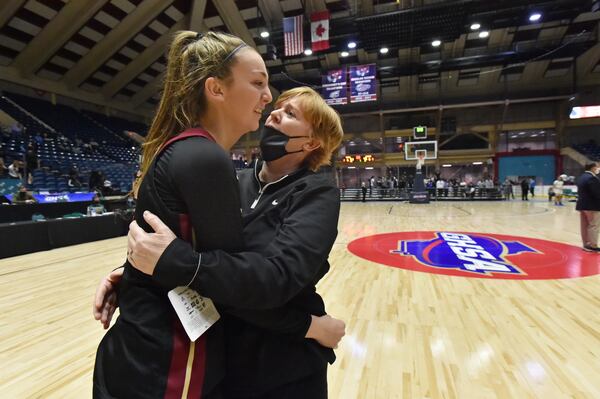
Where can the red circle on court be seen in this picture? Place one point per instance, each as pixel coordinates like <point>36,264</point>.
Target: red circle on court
<point>479,255</point>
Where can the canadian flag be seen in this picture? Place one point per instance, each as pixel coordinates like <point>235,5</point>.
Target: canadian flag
<point>319,30</point>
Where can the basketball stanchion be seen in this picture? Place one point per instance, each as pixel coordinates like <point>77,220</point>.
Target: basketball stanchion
<point>419,195</point>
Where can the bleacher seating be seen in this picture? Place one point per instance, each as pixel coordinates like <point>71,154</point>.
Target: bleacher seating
<point>590,150</point>
<point>115,157</point>
<point>116,124</point>
<point>17,114</point>
<point>67,120</point>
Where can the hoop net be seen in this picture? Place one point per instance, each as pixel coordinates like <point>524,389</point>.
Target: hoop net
<point>420,158</point>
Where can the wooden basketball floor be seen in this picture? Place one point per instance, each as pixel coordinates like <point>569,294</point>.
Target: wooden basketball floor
<point>409,335</point>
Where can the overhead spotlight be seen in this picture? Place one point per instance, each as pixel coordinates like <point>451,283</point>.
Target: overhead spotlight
<point>475,26</point>
<point>264,34</point>
<point>477,163</point>
<point>308,52</point>
<point>344,54</point>
<point>384,50</point>
<point>436,43</point>
<point>483,34</point>
<point>351,44</point>
<point>535,17</point>
<point>446,165</point>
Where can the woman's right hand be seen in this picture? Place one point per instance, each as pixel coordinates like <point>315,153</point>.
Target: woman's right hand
<point>326,330</point>
<point>106,299</point>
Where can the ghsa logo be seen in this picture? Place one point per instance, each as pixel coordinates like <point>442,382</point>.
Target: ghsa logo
<point>476,255</point>
<point>334,76</point>
<point>467,252</point>
<point>362,71</point>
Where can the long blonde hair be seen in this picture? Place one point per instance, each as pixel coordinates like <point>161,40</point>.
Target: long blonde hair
<point>193,57</point>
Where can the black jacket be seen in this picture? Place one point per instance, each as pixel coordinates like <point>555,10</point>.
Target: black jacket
<point>292,225</point>
<point>144,354</point>
<point>588,192</point>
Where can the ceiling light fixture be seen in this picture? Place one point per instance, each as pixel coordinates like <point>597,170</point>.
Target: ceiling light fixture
<point>483,34</point>
<point>436,43</point>
<point>308,52</point>
<point>344,54</point>
<point>475,26</point>
<point>477,163</point>
<point>535,17</point>
<point>384,50</point>
<point>351,44</point>
<point>264,34</point>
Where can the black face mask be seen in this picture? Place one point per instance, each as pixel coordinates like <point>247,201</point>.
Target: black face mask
<point>273,142</point>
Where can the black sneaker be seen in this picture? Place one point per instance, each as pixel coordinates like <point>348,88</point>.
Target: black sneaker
<point>591,249</point>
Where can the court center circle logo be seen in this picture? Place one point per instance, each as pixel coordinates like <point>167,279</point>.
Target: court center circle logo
<point>479,255</point>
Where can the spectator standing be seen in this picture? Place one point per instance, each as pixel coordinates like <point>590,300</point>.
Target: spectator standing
<point>588,205</point>
<point>363,188</point>
<point>507,188</point>
<point>524,189</point>
<point>31,162</point>
<point>557,187</point>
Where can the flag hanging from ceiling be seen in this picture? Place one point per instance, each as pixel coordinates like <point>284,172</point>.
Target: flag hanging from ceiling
<point>292,35</point>
<point>319,30</point>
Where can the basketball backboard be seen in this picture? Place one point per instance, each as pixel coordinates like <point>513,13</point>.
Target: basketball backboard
<point>413,148</point>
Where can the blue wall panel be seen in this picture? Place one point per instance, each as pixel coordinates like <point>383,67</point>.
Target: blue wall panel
<point>540,166</point>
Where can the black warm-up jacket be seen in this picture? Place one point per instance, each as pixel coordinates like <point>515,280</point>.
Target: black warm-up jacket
<point>289,229</point>
<point>588,192</point>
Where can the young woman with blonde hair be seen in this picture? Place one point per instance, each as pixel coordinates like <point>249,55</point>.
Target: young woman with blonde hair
<point>215,90</point>
<point>291,216</point>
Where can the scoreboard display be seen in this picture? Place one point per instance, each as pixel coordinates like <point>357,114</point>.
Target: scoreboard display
<point>358,158</point>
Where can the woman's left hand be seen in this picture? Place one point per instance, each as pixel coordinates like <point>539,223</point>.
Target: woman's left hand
<point>145,249</point>
<point>326,330</point>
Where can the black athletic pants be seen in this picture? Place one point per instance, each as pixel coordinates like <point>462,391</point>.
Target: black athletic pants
<point>312,387</point>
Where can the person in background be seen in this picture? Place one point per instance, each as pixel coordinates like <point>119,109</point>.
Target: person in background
<point>96,207</point>
<point>73,180</point>
<point>532,187</point>
<point>107,188</point>
<point>507,189</point>
<point>31,162</point>
<point>96,181</point>
<point>23,196</point>
<point>588,205</point>
<point>363,188</point>
<point>14,171</point>
<point>524,189</point>
<point>557,189</point>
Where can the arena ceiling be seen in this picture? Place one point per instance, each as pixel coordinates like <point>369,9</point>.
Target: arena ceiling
<point>111,52</point>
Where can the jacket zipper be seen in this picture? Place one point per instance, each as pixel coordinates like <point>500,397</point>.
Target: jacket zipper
<point>262,190</point>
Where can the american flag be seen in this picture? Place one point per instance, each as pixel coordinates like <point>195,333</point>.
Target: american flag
<point>292,35</point>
